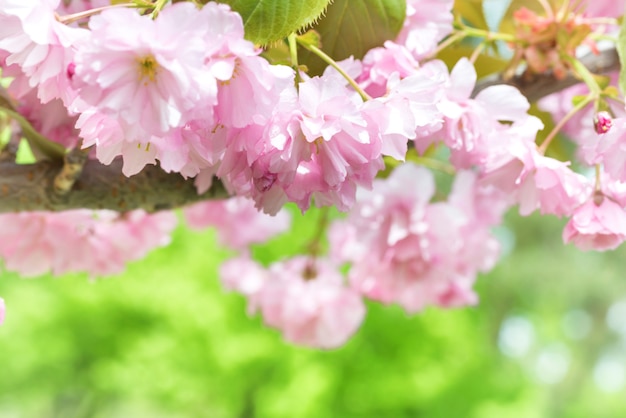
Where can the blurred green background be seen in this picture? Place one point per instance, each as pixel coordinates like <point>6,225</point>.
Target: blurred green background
<point>164,340</point>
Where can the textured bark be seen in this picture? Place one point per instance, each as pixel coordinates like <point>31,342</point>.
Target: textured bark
<point>543,85</point>
<point>30,187</point>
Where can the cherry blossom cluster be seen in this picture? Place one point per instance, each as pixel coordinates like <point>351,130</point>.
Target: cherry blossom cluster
<point>202,102</point>
<point>403,248</point>
<point>97,242</point>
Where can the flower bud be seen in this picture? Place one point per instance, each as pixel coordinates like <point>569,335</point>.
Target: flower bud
<point>602,122</point>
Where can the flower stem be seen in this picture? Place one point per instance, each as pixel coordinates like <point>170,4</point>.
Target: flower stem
<point>292,40</point>
<point>50,149</point>
<point>158,6</point>
<point>67,19</point>
<point>579,106</point>
<point>328,60</point>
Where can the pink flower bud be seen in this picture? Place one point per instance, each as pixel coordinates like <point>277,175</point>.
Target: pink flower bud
<point>602,122</point>
<point>71,70</point>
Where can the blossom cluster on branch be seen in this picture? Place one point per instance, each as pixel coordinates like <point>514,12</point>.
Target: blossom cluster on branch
<point>181,87</point>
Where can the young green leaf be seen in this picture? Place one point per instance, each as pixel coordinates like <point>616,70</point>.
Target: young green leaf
<point>354,27</point>
<point>267,21</point>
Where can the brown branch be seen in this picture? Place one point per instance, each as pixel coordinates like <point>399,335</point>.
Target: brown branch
<point>30,187</point>
<point>543,85</point>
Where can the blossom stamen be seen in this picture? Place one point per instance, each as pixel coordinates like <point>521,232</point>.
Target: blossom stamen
<point>148,69</point>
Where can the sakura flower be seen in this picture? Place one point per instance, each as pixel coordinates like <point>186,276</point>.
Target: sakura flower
<point>581,127</point>
<point>51,119</point>
<point>40,45</point>
<point>405,250</point>
<point>408,111</point>
<point>470,125</point>
<point>145,73</point>
<point>237,221</point>
<point>96,242</point>
<point>426,23</point>
<point>379,64</point>
<point>599,224</point>
<point>306,300</point>
<point>609,149</point>
<point>515,166</point>
<point>603,8</point>
<point>317,146</point>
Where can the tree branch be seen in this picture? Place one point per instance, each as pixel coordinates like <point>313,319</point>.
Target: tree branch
<point>30,187</point>
<point>543,85</point>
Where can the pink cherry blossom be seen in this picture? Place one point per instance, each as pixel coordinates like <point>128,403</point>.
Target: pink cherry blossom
<point>148,91</point>
<point>317,147</point>
<point>51,119</point>
<point>145,73</point>
<point>603,8</point>
<point>409,110</point>
<point>405,250</point>
<point>581,126</point>
<point>609,149</point>
<point>471,125</point>
<point>379,64</point>
<point>534,181</point>
<point>599,224</point>
<point>40,45</point>
<point>426,23</point>
<point>602,122</point>
<point>96,242</point>
<point>306,300</point>
<point>237,221</point>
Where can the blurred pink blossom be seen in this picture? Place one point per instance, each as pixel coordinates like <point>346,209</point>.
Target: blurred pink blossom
<point>406,250</point>
<point>305,299</point>
<point>599,224</point>
<point>237,221</point>
<point>96,242</point>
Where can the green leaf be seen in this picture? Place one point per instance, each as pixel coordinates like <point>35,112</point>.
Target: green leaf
<point>621,51</point>
<point>507,25</point>
<point>351,28</point>
<point>471,11</point>
<point>267,21</point>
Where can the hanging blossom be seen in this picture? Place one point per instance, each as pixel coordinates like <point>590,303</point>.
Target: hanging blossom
<point>95,242</point>
<point>409,110</point>
<point>148,91</point>
<point>40,45</point>
<point>237,222</point>
<point>427,22</point>
<point>516,168</point>
<point>50,119</point>
<point>470,125</point>
<point>406,250</point>
<point>609,149</point>
<point>306,300</point>
<point>599,223</point>
<point>580,128</point>
<point>317,147</point>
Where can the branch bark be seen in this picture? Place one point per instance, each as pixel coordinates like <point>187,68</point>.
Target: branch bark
<point>30,187</point>
<point>544,85</point>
